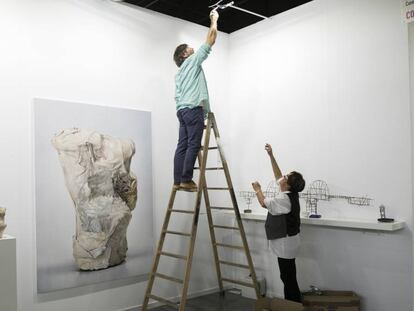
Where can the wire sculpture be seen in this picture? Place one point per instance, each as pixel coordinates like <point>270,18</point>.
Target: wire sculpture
<point>272,191</point>
<point>318,190</point>
<point>248,197</point>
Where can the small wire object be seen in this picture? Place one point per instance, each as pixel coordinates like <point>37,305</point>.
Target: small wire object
<point>248,197</point>
<point>319,191</point>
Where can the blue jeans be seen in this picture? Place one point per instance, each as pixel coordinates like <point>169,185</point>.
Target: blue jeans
<point>189,143</point>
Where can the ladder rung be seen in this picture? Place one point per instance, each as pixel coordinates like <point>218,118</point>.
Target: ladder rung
<point>167,302</point>
<point>209,148</point>
<point>182,211</point>
<point>225,227</point>
<point>169,278</point>
<point>210,168</point>
<point>222,208</point>
<point>238,282</point>
<point>217,188</point>
<point>234,264</point>
<point>229,246</point>
<point>173,255</point>
<point>177,233</point>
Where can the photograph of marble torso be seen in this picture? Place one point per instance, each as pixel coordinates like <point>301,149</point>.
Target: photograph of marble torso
<point>93,194</point>
<point>104,192</point>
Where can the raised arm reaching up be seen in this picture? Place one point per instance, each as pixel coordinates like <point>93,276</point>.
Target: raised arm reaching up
<point>212,32</point>
<point>275,167</point>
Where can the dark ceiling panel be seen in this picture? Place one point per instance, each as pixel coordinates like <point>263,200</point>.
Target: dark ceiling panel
<point>197,11</point>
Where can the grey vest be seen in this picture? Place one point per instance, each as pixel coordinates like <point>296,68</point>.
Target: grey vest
<point>280,226</point>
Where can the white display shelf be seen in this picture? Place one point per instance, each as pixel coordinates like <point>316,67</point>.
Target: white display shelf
<point>333,222</point>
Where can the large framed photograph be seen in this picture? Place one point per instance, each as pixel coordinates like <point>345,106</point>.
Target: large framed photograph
<point>93,194</point>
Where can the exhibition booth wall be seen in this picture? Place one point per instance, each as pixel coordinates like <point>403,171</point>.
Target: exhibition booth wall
<point>327,84</point>
<point>97,53</point>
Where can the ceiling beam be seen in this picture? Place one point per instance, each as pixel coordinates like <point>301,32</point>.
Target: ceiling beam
<point>151,3</point>
<point>201,21</point>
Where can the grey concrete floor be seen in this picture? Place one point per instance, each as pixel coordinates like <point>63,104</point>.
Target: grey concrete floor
<point>216,302</point>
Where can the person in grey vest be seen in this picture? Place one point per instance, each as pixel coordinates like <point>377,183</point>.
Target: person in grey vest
<point>283,224</point>
<point>192,104</point>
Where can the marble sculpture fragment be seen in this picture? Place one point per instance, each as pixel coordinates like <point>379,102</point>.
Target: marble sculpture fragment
<point>2,223</point>
<point>97,174</point>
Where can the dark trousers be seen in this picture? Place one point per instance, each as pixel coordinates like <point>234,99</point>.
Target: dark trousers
<point>189,143</point>
<point>287,269</point>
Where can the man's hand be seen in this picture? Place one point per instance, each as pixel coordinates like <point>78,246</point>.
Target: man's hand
<point>269,150</point>
<point>212,32</point>
<point>256,186</point>
<point>214,16</point>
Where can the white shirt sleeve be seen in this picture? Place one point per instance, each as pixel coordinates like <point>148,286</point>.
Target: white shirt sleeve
<point>279,205</point>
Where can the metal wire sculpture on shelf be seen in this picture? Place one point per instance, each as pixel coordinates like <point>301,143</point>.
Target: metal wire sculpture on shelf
<point>272,191</point>
<point>318,190</point>
<point>248,197</point>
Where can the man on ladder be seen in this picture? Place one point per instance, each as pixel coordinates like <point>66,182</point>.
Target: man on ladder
<point>192,104</point>
<point>192,109</point>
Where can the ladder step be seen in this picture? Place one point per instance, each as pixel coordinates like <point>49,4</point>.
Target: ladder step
<point>177,233</point>
<point>210,168</point>
<point>182,211</point>
<point>222,208</point>
<point>229,246</point>
<point>169,278</point>
<point>167,302</point>
<point>225,227</point>
<point>209,148</point>
<point>218,188</point>
<point>173,255</point>
<point>237,282</point>
<point>234,264</point>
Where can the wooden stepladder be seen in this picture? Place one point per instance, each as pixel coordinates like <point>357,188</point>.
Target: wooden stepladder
<point>202,189</point>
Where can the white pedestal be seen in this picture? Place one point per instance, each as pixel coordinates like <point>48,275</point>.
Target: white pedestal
<point>8,284</point>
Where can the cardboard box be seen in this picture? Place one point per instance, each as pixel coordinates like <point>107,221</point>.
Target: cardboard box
<point>277,304</point>
<point>333,301</point>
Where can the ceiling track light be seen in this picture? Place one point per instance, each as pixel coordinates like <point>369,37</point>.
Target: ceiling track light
<point>220,6</point>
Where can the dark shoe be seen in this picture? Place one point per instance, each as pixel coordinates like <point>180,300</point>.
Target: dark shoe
<point>190,186</point>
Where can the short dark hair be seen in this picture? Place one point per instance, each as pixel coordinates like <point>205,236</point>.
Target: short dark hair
<point>295,181</point>
<point>178,54</point>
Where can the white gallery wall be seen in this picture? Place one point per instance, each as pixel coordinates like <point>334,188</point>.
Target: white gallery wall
<point>92,52</point>
<point>327,85</point>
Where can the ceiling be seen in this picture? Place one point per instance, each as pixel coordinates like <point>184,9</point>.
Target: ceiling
<point>197,11</point>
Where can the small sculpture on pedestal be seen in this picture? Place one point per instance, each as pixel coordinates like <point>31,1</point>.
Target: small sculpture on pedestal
<point>2,223</point>
<point>382,213</point>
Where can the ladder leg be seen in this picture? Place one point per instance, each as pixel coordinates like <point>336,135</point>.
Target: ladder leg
<point>212,234</point>
<point>159,248</point>
<point>236,208</point>
<point>201,186</point>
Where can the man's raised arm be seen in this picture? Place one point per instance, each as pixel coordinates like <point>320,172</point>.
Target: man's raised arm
<point>212,32</point>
